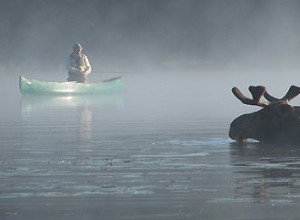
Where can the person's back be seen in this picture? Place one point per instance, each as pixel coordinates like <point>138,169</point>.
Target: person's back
<point>78,65</point>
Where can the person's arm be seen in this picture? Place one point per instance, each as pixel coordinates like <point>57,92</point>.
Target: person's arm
<point>88,67</point>
<point>70,68</point>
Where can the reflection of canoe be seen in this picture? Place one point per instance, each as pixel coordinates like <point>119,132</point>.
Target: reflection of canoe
<point>69,88</point>
<point>31,104</point>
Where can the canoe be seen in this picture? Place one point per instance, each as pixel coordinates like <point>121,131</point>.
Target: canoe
<point>69,88</point>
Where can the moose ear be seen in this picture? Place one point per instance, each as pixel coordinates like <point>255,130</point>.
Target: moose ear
<point>284,110</point>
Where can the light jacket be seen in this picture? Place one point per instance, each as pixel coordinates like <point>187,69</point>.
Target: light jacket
<point>79,64</point>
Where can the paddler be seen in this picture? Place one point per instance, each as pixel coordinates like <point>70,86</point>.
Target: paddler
<point>78,65</point>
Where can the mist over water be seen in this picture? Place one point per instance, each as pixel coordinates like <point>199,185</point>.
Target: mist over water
<point>150,36</point>
<point>160,148</point>
<point>168,44</point>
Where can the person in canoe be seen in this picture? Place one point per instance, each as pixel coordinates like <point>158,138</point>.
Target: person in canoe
<point>78,65</point>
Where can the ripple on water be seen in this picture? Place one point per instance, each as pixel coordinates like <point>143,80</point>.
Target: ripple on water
<point>210,142</point>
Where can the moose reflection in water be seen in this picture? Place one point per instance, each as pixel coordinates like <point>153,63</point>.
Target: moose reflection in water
<point>265,173</point>
<point>277,122</point>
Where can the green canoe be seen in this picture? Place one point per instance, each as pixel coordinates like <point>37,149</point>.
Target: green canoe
<point>70,88</point>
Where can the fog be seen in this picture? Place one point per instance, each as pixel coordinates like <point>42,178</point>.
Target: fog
<point>138,35</point>
<point>161,146</point>
<point>173,48</point>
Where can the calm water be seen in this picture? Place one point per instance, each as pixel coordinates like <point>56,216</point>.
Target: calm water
<point>158,151</point>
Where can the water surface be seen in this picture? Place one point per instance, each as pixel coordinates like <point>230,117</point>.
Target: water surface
<point>153,152</point>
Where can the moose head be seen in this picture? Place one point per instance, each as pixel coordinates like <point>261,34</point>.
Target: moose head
<point>276,122</point>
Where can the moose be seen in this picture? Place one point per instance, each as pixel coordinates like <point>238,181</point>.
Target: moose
<point>276,123</point>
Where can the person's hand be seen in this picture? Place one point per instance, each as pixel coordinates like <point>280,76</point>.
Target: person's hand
<point>81,69</point>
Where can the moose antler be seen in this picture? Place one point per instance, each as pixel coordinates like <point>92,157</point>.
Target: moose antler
<point>256,92</point>
<point>291,93</point>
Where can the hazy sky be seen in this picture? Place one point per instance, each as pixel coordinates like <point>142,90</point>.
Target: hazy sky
<point>133,34</point>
